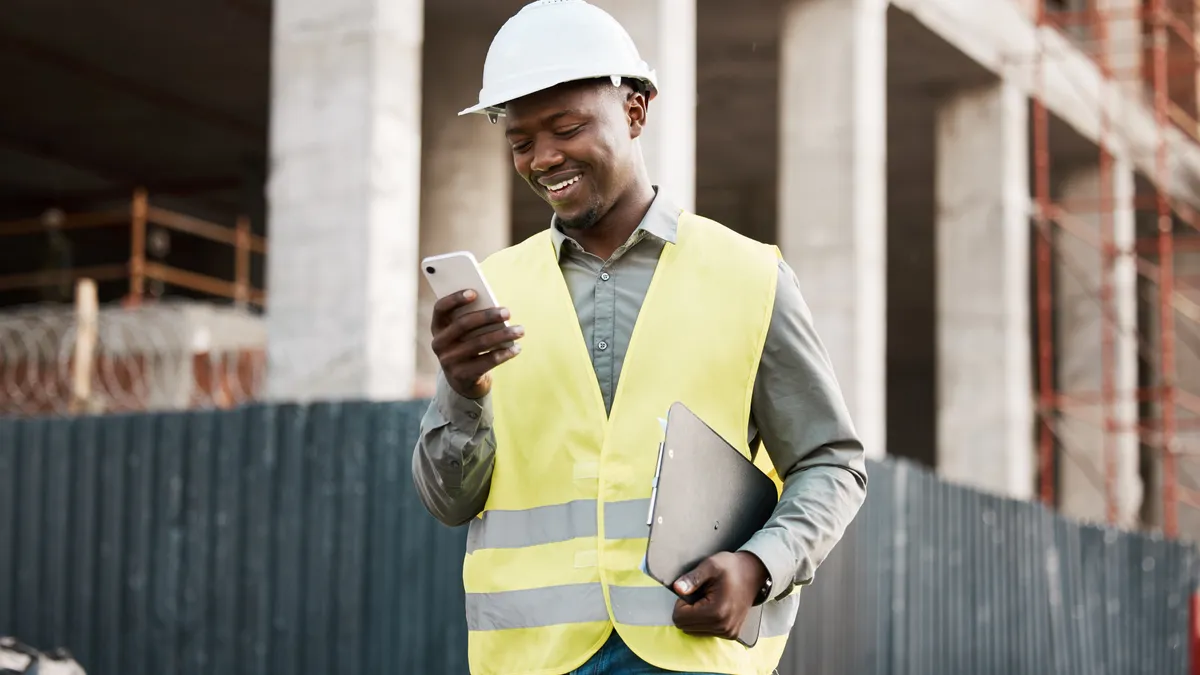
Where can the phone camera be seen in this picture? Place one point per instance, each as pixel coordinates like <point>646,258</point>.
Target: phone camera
<point>429,269</point>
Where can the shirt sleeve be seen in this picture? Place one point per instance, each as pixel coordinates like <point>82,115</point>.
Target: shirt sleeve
<point>806,430</point>
<point>455,452</point>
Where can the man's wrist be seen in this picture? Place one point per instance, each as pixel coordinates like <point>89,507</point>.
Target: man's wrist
<point>760,574</point>
<point>466,414</point>
<point>773,549</point>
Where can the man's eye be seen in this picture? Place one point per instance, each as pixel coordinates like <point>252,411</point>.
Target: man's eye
<point>569,131</point>
<point>521,147</point>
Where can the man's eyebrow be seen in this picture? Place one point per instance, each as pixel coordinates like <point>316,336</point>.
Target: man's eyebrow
<point>550,119</point>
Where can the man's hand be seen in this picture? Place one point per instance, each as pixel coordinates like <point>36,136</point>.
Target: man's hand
<point>724,587</point>
<point>466,353</point>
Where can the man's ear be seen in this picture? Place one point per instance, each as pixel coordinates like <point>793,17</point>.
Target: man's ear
<point>636,108</point>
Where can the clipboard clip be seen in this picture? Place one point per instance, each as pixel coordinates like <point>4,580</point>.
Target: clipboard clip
<point>654,486</point>
<point>657,471</point>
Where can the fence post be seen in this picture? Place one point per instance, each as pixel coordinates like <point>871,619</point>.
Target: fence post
<point>87,309</point>
<point>242,263</point>
<point>137,245</point>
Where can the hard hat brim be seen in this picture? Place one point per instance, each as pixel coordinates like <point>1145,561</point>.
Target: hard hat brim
<point>483,108</point>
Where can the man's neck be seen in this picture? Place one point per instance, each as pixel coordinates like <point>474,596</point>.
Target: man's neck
<point>615,228</point>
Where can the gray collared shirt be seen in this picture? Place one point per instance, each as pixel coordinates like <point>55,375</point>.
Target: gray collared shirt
<point>797,407</point>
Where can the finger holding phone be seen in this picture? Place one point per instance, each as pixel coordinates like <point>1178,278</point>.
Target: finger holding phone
<point>471,334</point>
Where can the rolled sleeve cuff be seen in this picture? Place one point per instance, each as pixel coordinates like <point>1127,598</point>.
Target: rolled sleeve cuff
<point>777,558</point>
<point>464,414</point>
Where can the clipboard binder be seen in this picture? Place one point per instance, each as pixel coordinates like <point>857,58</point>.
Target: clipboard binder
<point>707,498</point>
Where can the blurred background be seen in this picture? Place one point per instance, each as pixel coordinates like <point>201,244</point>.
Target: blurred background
<point>214,334</point>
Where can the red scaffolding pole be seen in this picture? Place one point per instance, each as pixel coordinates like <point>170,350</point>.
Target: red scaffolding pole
<point>1161,35</point>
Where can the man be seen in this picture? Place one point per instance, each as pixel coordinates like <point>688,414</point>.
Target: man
<point>548,448</point>
<point>58,257</point>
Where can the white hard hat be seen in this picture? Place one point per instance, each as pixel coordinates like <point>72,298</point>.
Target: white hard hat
<point>550,42</point>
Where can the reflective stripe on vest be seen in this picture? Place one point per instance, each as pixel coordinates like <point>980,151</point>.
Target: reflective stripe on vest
<point>582,603</point>
<point>557,522</point>
<point>553,562</point>
<point>536,607</point>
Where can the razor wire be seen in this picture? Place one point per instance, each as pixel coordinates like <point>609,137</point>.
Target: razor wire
<point>144,358</point>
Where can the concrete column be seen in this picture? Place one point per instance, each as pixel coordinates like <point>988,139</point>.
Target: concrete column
<point>832,189</point>
<point>466,167</point>
<point>1187,381</point>
<point>343,194</point>
<point>1028,8</point>
<point>1187,378</point>
<point>1082,319</point>
<point>1125,34</point>
<point>985,405</point>
<point>665,34</point>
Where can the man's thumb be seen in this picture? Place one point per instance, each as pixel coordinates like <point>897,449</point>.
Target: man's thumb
<point>688,583</point>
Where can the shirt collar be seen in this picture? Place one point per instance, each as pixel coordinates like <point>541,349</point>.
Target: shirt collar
<point>661,222</point>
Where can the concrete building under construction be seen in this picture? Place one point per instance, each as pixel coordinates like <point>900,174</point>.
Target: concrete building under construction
<point>991,206</point>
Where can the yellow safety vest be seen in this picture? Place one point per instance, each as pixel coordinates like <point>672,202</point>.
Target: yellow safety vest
<point>553,562</point>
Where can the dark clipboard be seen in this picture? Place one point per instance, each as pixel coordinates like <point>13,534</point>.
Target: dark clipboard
<point>737,500</point>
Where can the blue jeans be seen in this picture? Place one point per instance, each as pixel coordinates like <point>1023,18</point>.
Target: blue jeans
<point>615,658</point>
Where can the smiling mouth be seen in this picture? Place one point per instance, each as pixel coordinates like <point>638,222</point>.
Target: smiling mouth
<point>561,187</point>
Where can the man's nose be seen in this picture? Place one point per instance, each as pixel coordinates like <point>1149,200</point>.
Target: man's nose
<point>546,156</point>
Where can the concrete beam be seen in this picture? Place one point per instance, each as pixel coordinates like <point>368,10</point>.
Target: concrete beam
<point>344,197</point>
<point>999,35</point>
<point>832,188</point>
<point>985,404</point>
<point>158,97</point>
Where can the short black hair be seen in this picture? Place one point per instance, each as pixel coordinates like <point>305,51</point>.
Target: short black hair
<point>629,84</point>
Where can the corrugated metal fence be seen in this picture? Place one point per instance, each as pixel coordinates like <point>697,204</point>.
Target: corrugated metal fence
<point>288,539</point>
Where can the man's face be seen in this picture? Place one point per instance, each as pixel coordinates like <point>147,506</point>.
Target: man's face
<point>574,145</point>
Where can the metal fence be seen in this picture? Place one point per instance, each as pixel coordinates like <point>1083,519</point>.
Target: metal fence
<point>285,539</point>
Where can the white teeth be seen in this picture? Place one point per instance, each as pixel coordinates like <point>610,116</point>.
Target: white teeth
<point>565,183</point>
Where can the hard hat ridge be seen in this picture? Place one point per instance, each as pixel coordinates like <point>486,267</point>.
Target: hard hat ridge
<point>551,42</point>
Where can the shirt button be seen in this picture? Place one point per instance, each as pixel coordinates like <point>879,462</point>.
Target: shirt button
<point>604,276</point>
<point>602,345</point>
<point>473,415</point>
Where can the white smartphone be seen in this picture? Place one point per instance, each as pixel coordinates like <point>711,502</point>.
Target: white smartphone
<point>450,273</point>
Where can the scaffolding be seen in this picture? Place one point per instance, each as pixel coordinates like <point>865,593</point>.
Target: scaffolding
<point>148,351</point>
<point>1146,49</point>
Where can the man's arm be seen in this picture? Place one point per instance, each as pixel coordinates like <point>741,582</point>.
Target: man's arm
<point>807,432</point>
<point>452,462</point>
